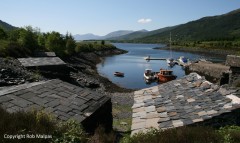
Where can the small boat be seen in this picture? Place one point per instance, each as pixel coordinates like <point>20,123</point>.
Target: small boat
<point>147,58</point>
<point>120,74</point>
<point>149,75</point>
<point>165,75</point>
<point>170,62</point>
<point>183,60</point>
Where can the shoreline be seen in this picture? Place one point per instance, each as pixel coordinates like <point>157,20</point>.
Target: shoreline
<point>197,50</point>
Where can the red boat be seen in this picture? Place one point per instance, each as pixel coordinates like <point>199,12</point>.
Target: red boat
<point>120,74</point>
<point>165,75</point>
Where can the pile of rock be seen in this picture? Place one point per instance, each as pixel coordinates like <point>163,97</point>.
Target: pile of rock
<point>12,73</point>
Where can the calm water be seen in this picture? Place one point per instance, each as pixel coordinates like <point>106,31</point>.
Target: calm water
<point>133,64</point>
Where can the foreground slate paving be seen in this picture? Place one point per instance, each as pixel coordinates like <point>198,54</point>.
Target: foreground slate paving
<point>62,99</point>
<point>181,102</point>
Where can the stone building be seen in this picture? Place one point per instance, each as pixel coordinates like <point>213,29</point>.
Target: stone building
<point>234,62</point>
<point>61,99</point>
<point>190,100</point>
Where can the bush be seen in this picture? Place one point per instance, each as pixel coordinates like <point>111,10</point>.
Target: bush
<point>101,136</point>
<point>92,46</point>
<point>231,134</point>
<point>39,123</point>
<point>177,135</point>
<point>25,123</point>
<point>70,132</point>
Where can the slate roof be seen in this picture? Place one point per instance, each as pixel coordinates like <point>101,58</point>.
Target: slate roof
<point>180,102</point>
<point>45,54</point>
<point>43,61</point>
<point>55,96</point>
<point>233,61</point>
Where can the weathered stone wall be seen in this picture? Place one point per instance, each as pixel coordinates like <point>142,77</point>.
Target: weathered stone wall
<point>215,72</point>
<point>103,117</point>
<point>234,63</point>
<point>234,77</point>
<point>226,119</point>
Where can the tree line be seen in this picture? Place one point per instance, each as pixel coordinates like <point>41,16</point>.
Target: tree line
<point>23,42</point>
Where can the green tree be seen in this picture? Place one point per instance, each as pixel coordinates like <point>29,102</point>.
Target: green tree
<point>41,41</point>
<point>3,34</point>
<point>28,39</point>
<point>55,42</point>
<point>70,44</point>
<point>103,42</point>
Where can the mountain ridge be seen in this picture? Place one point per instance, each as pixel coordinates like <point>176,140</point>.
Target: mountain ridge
<point>6,26</point>
<point>209,28</point>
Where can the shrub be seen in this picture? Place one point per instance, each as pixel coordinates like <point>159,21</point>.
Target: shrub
<point>25,123</point>
<point>39,123</point>
<point>177,135</point>
<point>101,136</point>
<point>231,134</point>
<point>70,132</point>
<point>92,46</point>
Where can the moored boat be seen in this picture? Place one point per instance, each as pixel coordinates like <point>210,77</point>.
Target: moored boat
<point>120,74</point>
<point>149,75</point>
<point>170,61</point>
<point>183,60</point>
<point>147,58</point>
<point>165,75</point>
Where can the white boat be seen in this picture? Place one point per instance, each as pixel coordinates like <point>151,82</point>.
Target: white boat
<point>149,75</point>
<point>147,58</point>
<point>170,61</point>
<point>183,60</point>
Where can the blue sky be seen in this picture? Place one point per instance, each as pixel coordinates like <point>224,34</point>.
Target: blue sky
<point>103,16</point>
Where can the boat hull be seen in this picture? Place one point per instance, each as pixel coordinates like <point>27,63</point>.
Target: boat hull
<point>164,78</point>
<point>119,74</point>
<point>149,77</point>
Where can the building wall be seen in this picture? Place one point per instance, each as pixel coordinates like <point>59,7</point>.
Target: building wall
<point>103,117</point>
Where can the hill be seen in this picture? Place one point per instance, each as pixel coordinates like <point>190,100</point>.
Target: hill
<point>212,28</point>
<point>91,36</point>
<point>6,26</point>
<point>88,36</point>
<point>140,34</point>
<point>117,33</point>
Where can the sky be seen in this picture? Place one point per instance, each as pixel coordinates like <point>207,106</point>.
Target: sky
<point>101,17</point>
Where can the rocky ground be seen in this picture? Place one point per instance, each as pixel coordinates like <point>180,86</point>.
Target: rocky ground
<point>11,73</point>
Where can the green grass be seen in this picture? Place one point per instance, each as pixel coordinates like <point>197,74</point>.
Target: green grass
<point>117,124</point>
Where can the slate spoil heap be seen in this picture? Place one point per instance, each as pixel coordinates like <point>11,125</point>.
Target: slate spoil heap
<point>181,102</point>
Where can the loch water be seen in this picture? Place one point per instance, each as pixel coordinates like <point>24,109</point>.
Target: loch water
<point>133,64</point>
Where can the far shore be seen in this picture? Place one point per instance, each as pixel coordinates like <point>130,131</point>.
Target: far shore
<point>216,52</point>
